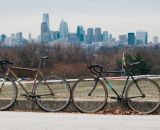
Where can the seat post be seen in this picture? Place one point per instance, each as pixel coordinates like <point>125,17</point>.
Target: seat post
<point>40,63</point>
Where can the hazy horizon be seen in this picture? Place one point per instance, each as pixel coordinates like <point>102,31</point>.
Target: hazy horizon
<point>117,17</point>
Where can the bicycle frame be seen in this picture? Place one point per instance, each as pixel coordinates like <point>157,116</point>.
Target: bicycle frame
<point>105,81</point>
<point>37,74</point>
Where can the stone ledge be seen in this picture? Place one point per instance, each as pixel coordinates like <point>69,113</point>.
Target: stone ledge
<point>29,105</point>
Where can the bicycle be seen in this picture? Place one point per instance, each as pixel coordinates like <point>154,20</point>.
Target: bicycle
<point>141,94</point>
<point>51,93</point>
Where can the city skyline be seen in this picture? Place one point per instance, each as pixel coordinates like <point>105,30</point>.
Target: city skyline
<point>117,17</point>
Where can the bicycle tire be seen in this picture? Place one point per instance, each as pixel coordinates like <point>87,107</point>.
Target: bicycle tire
<point>53,102</point>
<point>8,93</point>
<point>151,100</point>
<point>85,103</point>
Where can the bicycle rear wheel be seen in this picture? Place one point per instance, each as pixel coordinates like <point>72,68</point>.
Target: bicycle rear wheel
<point>53,94</point>
<point>89,103</point>
<point>8,93</point>
<point>145,98</point>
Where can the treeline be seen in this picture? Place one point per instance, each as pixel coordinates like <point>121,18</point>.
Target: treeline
<point>70,61</point>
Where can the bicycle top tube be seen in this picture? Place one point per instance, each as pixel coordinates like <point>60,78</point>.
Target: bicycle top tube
<point>5,64</point>
<point>98,69</point>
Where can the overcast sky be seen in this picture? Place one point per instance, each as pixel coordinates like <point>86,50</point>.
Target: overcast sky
<point>115,16</point>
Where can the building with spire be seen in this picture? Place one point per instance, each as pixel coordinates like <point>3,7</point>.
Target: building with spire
<point>63,29</point>
<point>45,31</point>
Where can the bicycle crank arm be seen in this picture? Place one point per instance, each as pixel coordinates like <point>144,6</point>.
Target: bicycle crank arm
<point>45,95</point>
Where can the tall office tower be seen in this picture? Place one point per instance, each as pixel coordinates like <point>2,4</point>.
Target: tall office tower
<point>98,35</point>
<point>122,39</point>
<point>131,39</point>
<point>19,38</point>
<point>141,38</point>
<point>46,19</point>
<point>30,38</point>
<point>2,38</point>
<point>155,40</point>
<point>80,33</point>
<point>45,32</point>
<point>63,29</point>
<point>19,35</point>
<point>105,37</point>
<point>89,36</point>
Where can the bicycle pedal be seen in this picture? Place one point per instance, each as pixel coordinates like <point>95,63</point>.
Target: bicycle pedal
<point>113,97</point>
<point>24,95</point>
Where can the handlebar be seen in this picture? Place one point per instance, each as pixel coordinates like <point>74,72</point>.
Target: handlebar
<point>95,69</point>
<point>4,64</point>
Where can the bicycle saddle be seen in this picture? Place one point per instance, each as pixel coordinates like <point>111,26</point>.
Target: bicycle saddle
<point>44,57</point>
<point>2,62</point>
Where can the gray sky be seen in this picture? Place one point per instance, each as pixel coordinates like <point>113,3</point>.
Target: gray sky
<point>115,16</point>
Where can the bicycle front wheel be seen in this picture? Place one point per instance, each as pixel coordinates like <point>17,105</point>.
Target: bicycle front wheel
<point>8,93</point>
<point>143,95</point>
<point>89,103</point>
<point>53,94</point>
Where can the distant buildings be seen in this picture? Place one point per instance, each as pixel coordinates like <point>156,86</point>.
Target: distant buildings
<point>2,38</point>
<point>105,37</point>
<point>131,39</point>
<point>80,33</point>
<point>141,38</point>
<point>73,39</point>
<point>63,29</point>
<point>55,35</point>
<point>14,40</point>
<point>155,40</point>
<point>92,37</point>
<point>98,37</point>
<point>89,36</point>
<point>45,31</point>
<point>122,39</point>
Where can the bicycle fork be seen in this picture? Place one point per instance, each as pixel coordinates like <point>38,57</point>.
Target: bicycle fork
<point>96,81</point>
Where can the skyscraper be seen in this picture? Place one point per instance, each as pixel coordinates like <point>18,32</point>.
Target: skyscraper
<point>45,32</point>
<point>122,39</point>
<point>131,38</point>
<point>89,36</point>
<point>2,38</point>
<point>105,37</point>
<point>98,35</point>
<point>46,19</point>
<point>19,38</point>
<point>80,33</point>
<point>155,40</point>
<point>30,38</point>
<point>63,29</point>
<point>141,38</point>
